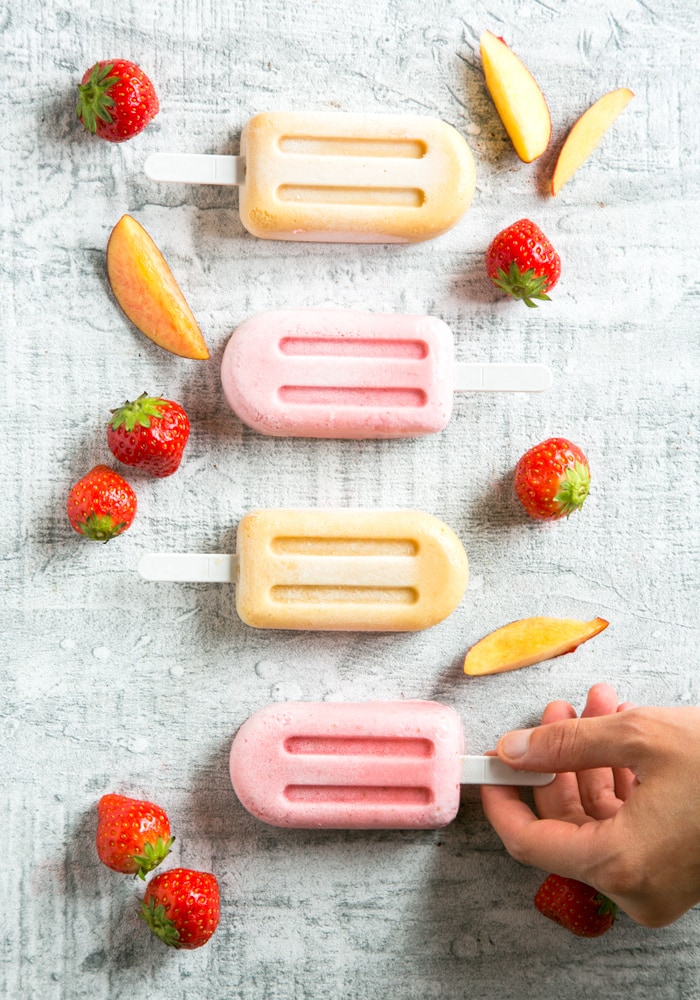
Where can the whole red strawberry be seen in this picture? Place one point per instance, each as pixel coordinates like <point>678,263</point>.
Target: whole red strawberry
<point>576,906</point>
<point>182,907</point>
<point>116,100</point>
<point>101,505</point>
<point>150,434</point>
<point>523,263</point>
<point>133,836</point>
<point>552,479</point>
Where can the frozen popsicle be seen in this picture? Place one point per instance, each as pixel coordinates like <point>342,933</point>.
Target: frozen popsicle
<point>336,569</point>
<point>344,373</point>
<point>359,766</point>
<point>339,177</point>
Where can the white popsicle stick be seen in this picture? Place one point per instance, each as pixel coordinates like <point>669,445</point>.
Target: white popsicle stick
<point>195,168</point>
<point>501,377</point>
<point>189,567</point>
<point>484,770</point>
<point>201,567</point>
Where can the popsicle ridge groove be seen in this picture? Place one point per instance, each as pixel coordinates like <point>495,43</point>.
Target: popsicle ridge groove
<point>381,197</point>
<point>365,746</point>
<point>414,149</point>
<point>308,395</point>
<point>367,795</point>
<point>320,594</point>
<point>331,546</point>
<point>361,347</point>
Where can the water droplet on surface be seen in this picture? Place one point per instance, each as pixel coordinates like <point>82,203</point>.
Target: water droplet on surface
<point>267,669</point>
<point>102,653</point>
<point>67,644</point>
<point>473,129</point>
<point>285,691</point>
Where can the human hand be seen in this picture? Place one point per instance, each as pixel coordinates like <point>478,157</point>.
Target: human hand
<point>623,813</point>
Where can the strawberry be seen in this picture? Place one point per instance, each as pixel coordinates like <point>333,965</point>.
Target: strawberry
<point>523,263</point>
<point>150,434</point>
<point>576,906</point>
<point>552,479</point>
<point>116,100</point>
<point>181,907</point>
<point>101,505</point>
<point>133,836</point>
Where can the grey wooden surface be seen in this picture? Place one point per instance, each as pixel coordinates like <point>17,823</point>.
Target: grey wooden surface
<point>108,683</point>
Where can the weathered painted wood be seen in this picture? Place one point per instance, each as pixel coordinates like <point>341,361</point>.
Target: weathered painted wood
<point>108,683</point>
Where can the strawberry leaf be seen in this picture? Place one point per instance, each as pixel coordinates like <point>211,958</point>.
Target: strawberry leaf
<point>162,926</point>
<point>152,856</point>
<point>100,527</point>
<point>606,906</point>
<point>574,489</point>
<point>523,285</point>
<point>94,99</point>
<point>139,412</point>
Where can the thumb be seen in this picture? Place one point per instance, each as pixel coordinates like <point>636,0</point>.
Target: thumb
<point>578,744</point>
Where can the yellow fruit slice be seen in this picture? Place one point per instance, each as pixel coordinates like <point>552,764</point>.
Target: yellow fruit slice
<point>528,641</point>
<point>518,99</point>
<point>145,288</point>
<point>586,133</point>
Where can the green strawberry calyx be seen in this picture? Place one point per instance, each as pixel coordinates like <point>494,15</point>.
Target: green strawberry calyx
<point>525,285</point>
<point>152,856</point>
<point>100,527</point>
<point>94,100</point>
<point>139,412</point>
<point>156,917</point>
<point>606,906</point>
<point>574,488</point>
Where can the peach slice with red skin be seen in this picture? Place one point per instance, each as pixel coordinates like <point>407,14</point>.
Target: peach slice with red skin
<point>146,290</point>
<point>586,133</point>
<point>527,641</point>
<point>517,96</point>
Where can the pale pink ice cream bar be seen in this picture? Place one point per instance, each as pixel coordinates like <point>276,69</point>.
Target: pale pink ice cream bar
<point>371,765</point>
<point>343,373</point>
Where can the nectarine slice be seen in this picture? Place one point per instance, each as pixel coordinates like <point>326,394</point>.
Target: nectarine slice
<point>586,133</point>
<point>145,288</point>
<point>518,99</point>
<point>528,641</point>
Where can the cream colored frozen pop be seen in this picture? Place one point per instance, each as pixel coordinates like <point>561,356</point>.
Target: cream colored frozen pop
<point>344,373</point>
<point>359,766</point>
<point>339,177</point>
<point>364,570</point>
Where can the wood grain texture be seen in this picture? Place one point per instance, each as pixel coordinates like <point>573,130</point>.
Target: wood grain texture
<point>110,684</point>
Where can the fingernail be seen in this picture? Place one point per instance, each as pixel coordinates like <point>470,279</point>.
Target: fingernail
<point>516,744</point>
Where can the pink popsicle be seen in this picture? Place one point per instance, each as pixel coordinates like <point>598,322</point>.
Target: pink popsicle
<point>371,765</point>
<point>340,373</point>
